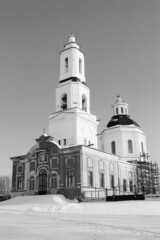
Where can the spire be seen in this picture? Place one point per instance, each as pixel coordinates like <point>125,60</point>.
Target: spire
<point>119,106</point>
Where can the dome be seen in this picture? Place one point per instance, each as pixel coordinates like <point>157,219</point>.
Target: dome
<point>121,120</point>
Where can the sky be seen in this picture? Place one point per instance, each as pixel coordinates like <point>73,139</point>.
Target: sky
<point>120,39</point>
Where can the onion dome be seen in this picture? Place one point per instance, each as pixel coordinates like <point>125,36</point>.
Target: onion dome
<point>121,120</point>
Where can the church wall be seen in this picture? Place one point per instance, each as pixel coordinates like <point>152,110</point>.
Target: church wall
<point>121,135</point>
<point>75,126</point>
<point>102,163</point>
<point>64,126</point>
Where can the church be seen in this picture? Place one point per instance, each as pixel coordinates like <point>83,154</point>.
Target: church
<point>70,157</point>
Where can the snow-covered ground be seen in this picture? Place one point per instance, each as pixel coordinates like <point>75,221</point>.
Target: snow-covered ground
<point>54,217</point>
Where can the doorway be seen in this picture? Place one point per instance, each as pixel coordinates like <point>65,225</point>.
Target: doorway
<point>42,187</point>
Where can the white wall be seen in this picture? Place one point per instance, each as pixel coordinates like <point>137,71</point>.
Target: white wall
<point>121,135</point>
<point>112,165</point>
<point>74,125</point>
<point>74,91</point>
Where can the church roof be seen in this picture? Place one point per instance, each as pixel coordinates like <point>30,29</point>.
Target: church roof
<point>121,120</point>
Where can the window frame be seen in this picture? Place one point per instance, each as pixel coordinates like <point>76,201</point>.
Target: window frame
<point>51,162</point>
<point>90,177</point>
<point>34,165</point>
<point>19,184</point>
<point>124,185</point>
<point>31,183</point>
<point>80,65</point>
<point>20,165</point>
<point>54,177</point>
<point>130,146</point>
<point>113,147</point>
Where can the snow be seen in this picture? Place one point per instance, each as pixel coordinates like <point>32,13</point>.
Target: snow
<point>55,217</point>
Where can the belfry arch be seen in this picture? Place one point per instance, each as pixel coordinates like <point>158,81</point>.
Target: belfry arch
<point>84,102</point>
<point>64,101</point>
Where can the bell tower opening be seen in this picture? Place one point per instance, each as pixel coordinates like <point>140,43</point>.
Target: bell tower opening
<point>64,101</point>
<point>80,66</point>
<point>84,102</point>
<point>66,64</point>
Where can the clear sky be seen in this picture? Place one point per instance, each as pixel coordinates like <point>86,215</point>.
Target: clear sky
<point>121,42</point>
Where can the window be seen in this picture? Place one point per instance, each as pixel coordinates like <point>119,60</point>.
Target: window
<point>116,110</point>
<point>31,183</point>
<point>101,175</point>
<point>130,185</point>
<point>66,64</point>
<point>64,101</point>
<point>32,166</point>
<point>19,182</point>
<point>70,178</point>
<point>19,169</point>
<point>126,110</point>
<point>112,181</point>
<point>130,182</point>
<point>124,185</point>
<point>85,142</point>
<point>84,102</point>
<point>113,147</point>
<point>119,184</point>
<point>90,178</point>
<point>54,181</point>
<point>130,146</point>
<point>59,142</point>
<point>80,66</point>
<point>142,148</point>
<point>70,162</point>
<point>121,109</point>
<point>64,140</point>
<point>54,162</point>
<point>42,157</point>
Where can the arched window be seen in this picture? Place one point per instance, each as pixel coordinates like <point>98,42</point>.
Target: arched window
<point>64,101</point>
<point>66,64</point>
<point>31,183</point>
<point>113,147</point>
<point>80,66</point>
<point>130,146</point>
<point>84,102</point>
<point>121,109</point>
<point>116,110</point>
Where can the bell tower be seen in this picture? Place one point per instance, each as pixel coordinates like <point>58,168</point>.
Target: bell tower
<point>72,123</point>
<point>72,62</point>
<point>72,90</point>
